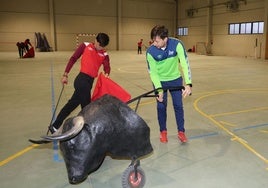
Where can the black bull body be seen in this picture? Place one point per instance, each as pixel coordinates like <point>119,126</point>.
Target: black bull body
<point>110,126</point>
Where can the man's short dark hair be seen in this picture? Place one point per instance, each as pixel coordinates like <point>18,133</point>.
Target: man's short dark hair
<point>159,30</point>
<point>103,39</point>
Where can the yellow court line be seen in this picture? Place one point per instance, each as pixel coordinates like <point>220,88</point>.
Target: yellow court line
<point>142,104</point>
<point>217,123</point>
<point>229,124</point>
<point>239,112</point>
<point>17,154</point>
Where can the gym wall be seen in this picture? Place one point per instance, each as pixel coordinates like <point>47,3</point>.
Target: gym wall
<point>125,21</point>
<point>210,25</point>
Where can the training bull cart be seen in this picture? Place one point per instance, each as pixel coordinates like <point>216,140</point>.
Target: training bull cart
<point>105,126</point>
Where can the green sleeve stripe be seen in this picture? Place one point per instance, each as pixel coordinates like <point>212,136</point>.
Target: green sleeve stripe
<point>184,64</point>
<point>153,71</point>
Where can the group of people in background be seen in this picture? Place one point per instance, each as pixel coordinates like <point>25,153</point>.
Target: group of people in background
<point>25,49</point>
<point>164,57</point>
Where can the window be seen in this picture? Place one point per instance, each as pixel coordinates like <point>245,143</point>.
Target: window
<point>243,28</point>
<point>257,27</point>
<point>246,28</point>
<point>261,27</point>
<point>185,31</point>
<point>234,29</point>
<point>182,31</point>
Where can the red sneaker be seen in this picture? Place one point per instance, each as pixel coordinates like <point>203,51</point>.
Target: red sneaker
<point>163,136</point>
<point>182,137</point>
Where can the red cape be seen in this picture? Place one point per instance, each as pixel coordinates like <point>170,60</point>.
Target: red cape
<point>107,86</point>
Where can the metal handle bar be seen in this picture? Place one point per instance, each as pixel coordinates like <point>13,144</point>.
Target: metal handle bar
<point>147,94</point>
<point>54,112</point>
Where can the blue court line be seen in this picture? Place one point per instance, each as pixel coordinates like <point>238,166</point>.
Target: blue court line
<point>203,135</point>
<point>250,127</point>
<point>56,156</point>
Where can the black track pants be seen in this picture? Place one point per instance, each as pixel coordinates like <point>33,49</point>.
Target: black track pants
<point>81,96</point>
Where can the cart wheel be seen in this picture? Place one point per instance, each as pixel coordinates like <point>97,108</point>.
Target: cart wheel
<point>129,180</point>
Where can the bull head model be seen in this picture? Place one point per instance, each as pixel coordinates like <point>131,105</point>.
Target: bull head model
<point>106,125</point>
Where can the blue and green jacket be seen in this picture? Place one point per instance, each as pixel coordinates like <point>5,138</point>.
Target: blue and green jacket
<point>163,65</point>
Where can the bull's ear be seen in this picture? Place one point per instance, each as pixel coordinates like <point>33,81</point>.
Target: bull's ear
<point>78,123</point>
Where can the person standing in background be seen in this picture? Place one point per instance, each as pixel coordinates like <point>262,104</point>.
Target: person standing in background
<point>21,47</point>
<point>163,59</point>
<point>140,46</point>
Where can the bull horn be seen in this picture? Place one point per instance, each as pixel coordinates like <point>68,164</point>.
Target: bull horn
<point>78,123</point>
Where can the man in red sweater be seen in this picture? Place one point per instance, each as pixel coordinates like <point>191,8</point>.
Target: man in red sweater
<point>93,55</point>
<point>140,46</point>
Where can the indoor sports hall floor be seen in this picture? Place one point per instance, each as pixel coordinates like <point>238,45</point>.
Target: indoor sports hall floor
<point>226,123</point>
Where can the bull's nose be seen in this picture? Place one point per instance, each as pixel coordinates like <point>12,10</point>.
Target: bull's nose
<point>76,180</point>
<point>72,180</point>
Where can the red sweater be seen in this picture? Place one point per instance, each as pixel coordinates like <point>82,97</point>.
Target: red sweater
<point>91,60</point>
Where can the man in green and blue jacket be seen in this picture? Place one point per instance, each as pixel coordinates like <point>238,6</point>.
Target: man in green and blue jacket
<point>168,68</point>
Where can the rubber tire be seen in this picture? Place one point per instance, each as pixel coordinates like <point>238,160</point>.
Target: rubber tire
<point>128,178</point>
